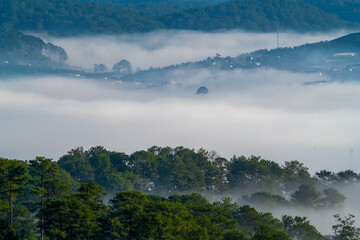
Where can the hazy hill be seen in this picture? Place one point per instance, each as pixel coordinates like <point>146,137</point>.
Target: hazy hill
<point>346,9</point>
<point>339,59</point>
<point>169,2</point>
<point>339,53</point>
<point>18,48</point>
<point>260,15</point>
<point>72,17</point>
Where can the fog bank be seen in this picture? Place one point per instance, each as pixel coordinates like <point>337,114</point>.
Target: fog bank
<point>163,48</point>
<point>245,114</point>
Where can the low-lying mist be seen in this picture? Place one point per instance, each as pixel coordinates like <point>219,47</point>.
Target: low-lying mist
<point>268,113</point>
<point>322,218</point>
<point>163,48</point>
<point>247,112</point>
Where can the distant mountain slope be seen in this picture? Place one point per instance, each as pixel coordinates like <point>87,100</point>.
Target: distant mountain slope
<point>169,2</point>
<point>259,15</point>
<point>348,10</point>
<point>18,48</point>
<point>340,53</point>
<point>338,59</point>
<point>71,17</point>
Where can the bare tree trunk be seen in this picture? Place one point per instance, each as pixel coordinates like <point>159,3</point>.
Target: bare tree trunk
<point>11,210</point>
<point>42,217</point>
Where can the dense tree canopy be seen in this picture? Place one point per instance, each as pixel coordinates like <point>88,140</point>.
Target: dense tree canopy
<point>69,17</point>
<point>43,203</point>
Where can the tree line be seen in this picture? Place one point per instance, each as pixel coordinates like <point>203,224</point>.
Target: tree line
<point>165,171</point>
<point>156,194</point>
<point>71,17</point>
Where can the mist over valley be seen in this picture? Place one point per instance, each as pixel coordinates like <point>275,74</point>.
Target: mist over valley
<point>179,120</point>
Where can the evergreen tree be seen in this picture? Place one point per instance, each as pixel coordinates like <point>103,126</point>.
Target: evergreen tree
<point>13,176</point>
<point>45,179</point>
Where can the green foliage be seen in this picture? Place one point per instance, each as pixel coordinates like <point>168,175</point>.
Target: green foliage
<point>254,15</point>
<point>45,178</point>
<point>13,176</point>
<point>306,195</point>
<point>134,216</point>
<point>215,216</point>
<point>16,47</point>
<point>76,163</point>
<point>254,174</point>
<point>234,235</point>
<point>295,175</point>
<point>72,17</point>
<point>249,219</point>
<point>266,199</point>
<point>300,228</point>
<point>77,216</point>
<point>345,9</point>
<point>264,232</point>
<point>122,67</point>
<point>344,228</point>
<point>69,219</point>
<point>168,170</point>
<point>332,197</point>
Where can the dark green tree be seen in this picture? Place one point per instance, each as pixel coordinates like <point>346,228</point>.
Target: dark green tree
<point>77,216</point>
<point>99,68</point>
<point>254,174</point>
<point>265,232</point>
<point>46,183</point>
<point>326,178</point>
<point>332,197</point>
<point>122,67</point>
<point>76,163</point>
<point>300,228</point>
<point>295,175</point>
<point>306,195</point>
<point>345,229</point>
<point>265,199</point>
<point>13,176</point>
<point>249,219</point>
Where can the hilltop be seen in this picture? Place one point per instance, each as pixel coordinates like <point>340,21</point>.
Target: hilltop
<point>72,17</point>
<point>19,48</point>
<point>26,54</point>
<point>260,15</point>
<point>348,10</point>
<point>338,59</point>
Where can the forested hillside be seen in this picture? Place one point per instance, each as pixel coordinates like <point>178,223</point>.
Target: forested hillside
<point>71,17</point>
<point>167,2</point>
<point>18,48</point>
<point>65,199</point>
<point>346,9</point>
<point>260,15</point>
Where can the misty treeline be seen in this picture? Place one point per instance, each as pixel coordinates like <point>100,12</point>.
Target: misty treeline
<point>16,47</point>
<point>159,194</point>
<point>71,17</point>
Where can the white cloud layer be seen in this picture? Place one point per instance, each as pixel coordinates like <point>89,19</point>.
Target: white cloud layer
<point>246,115</point>
<point>162,48</point>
